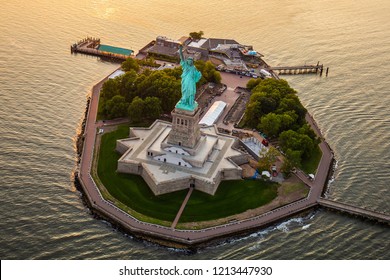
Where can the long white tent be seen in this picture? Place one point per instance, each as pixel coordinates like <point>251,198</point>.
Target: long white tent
<point>213,113</point>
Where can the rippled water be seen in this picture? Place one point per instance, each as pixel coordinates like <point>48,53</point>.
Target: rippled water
<point>43,91</point>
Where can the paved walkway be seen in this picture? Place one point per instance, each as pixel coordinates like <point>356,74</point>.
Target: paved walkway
<point>188,237</point>
<point>183,205</point>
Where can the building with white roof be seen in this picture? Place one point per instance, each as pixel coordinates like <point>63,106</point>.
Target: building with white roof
<point>197,44</point>
<point>213,113</point>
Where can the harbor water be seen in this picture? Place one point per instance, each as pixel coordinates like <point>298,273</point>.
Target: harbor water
<point>43,91</point>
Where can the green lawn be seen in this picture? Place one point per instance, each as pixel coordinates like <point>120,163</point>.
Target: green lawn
<point>289,188</point>
<point>231,198</point>
<point>309,166</point>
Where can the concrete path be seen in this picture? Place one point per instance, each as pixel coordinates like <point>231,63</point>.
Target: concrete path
<point>183,205</point>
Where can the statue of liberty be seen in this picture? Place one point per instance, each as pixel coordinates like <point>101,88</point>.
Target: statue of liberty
<point>189,78</point>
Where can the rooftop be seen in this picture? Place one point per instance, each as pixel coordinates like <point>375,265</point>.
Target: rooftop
<point>213,43</point>
<point>197,44</point>
<point>116,50</point>
<point>183,39</point>
<point>213,113</point>
<point>157,49</point>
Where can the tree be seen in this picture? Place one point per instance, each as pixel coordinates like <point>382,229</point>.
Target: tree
<point>306,129</point>
<point>268,158</point>
<point>281,87</point>
<point>127,86</point>
<point>116,107</point>
<point>286,168</point>
<point>209,74</point>
<point>136,110</point>
<point>161,85</point>
<point>287,120</point>
<point>292,159</point>
<point>270,124</point>
<point>130,64</point>
<point>297,142</point>
<point>215,77</point>
<point>148,62</point>
<point>268,102</point>
<point>307,145</point>
<point>152,107</point>
<point>110,89</point>
<point>252,83</point>
<point>292,103</point>
<point>289,140</point>
<point>196,35</point>
<point>175,72</point>
<point>252,114</point>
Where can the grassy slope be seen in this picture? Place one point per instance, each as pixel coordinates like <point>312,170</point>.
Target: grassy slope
<point>309,166</point>
<point>232,197</point>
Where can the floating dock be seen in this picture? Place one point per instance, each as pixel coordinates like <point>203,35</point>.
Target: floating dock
<point>92,46</point>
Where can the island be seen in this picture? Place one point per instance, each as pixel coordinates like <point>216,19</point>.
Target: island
<point>191,153</point>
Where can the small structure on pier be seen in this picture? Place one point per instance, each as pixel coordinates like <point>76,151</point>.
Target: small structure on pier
<point>92,46</point>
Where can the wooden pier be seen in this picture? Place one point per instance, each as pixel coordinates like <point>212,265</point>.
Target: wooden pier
<point>303,69</point>
<point>356,211</point>
<point>92,46</point>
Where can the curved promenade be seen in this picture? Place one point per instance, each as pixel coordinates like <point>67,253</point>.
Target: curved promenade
<point>187,237</point>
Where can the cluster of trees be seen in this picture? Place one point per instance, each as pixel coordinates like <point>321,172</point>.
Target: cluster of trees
<point>145,94</point>
<point>209,74</point>
<point>196,35</point>
<point>148,62</point>
<point>275,109</point>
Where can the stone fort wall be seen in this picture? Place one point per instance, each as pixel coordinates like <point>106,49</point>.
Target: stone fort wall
<point>200,184</point>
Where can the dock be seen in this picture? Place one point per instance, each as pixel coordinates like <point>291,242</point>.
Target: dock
<point>303,69</point>
<point>355,211</point>
<point>92,46</point>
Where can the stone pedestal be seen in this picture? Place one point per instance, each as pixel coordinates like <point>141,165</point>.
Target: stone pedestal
<point>185,129</point>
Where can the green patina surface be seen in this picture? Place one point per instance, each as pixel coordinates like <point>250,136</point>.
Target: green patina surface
<point>187,107</point>
<point>116,50</point>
